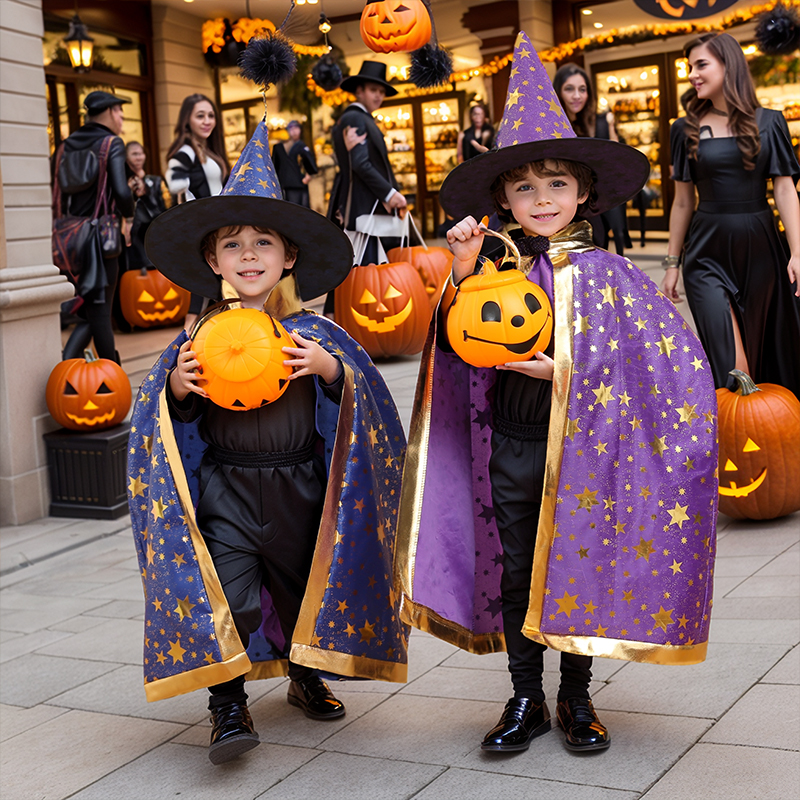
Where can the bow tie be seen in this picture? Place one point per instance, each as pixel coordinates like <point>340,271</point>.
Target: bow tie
<point>533,245</point>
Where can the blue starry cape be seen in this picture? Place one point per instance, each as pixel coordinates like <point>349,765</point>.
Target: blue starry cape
<point>349,622</point>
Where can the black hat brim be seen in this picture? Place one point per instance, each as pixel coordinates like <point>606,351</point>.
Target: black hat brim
<point>174,240</point>
<point>352,82</point>
<point>620,171</point>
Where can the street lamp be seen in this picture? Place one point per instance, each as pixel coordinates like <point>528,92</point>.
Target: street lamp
<point>80,45</point>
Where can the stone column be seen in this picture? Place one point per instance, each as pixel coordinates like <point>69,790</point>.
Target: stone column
<point>31,288</point>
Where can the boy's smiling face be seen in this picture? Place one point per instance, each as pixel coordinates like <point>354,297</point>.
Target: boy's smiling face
<point>251,262</point>
<point>543,205</point>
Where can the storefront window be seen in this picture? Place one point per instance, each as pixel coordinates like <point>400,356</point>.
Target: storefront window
<point>397,126</point>
<point>440,126</point>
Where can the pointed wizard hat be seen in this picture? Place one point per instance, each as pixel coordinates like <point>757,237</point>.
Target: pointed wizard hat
<point>536,127</point>
<point>252,196</point>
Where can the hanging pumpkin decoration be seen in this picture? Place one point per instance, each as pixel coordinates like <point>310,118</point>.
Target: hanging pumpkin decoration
<point>385,308</point>
<point>240,353</point>
<point>497,317</point>
<point>395,26</point>
<point>759,442</point>
<point>149,300</point>
<point>88,394</point>
<point>432,263</point>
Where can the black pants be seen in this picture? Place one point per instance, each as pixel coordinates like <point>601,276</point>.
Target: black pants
<point>517,473</point>
<point>297,196</point>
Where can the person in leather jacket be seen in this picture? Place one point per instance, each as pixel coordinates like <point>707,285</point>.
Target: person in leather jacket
<point>105,118</point>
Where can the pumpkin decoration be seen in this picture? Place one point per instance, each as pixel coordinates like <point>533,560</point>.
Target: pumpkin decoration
<point>393,26</point>
<point>497,317</point>
<point>240,353</point>
<point>149,300</point>
<point>432,263</point>
<point>385,308</point>
<point>88,394</point>
<point>759,439</point>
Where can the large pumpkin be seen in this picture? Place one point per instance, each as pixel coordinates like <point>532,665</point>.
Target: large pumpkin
<point>385,308</point>
<point>149,300</point>
<point>392,26</point>
<point>432,263</point>
<point>759,443</point>
<point>88,394</point>
<point>242,360</point>
<point>497,317</point>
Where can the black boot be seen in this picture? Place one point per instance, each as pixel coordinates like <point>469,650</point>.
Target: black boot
<point>313,696</point>
<point>232,732</point>
<point>521,721</point>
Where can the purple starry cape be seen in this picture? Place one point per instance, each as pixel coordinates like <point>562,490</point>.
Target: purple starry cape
<point>624,558</point>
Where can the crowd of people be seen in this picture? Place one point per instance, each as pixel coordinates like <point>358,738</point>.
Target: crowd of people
<point>279,487</point>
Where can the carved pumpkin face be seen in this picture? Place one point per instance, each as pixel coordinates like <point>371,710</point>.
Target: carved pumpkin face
<point>242,360</point>
<point>392,26</point>
<point>432,263</point>
<point>88,394</point>
<point>149,300</point>
<point>759,438</point>
<point>385,308</point>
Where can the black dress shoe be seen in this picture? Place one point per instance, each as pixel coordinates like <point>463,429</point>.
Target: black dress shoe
<point>314,697</point>
<point>522,720</point>
<point>232,733</point>
<point>583,729</point>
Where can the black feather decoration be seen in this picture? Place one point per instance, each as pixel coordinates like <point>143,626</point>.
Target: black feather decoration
<point>327,74</point>
<point>778,31</point>
<point>431,65</point>
<point>268,60</point>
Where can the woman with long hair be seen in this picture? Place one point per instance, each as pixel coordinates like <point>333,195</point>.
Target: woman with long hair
<point>197,166</point>
<point>151,204</point>
<point>478,137</point>
<point>735,261</point>
<point>574,90</point>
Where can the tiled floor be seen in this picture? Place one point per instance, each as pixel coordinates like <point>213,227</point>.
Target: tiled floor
<point>74,722</point>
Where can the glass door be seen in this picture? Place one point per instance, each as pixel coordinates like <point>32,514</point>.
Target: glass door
<point>397,125</point>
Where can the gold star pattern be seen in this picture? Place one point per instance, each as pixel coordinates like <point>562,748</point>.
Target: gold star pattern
<point>513,98</point>
<point>659,445</point>
<point>555,107</point>
<point>367,632</point>
<point>244,169</point>
<point>644,549</point>
<point>666,346</point>
<point>176,651</point>
<point>581,323</point>
<point>609,294</point>
<point>158,508</point>
<point>516,124</point>
<point>687,414</point>
<point>676,566</point>
<point>184,608</point>
<point>697,363</point>
<point>600,630</point>
<point>603,394</point>
<point>586,499</point>
<point>137,486</point>
<point>567,604</point>
<point>572,428</point>
<point>678,515</point>
<point>663,618</point>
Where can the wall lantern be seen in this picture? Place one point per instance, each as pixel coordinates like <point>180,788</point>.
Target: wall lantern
<point>80,45</point>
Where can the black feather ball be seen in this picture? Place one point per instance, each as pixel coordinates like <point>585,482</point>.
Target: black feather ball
<point>268,60</point>
<point>327,74</point>
<point>778,31</point>
<point>431,65</point>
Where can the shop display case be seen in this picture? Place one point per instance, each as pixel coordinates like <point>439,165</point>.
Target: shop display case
<point>397,125</point>
<point>440,125</point>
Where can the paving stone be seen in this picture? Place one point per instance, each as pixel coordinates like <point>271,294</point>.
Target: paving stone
<point>460,784</point>
<point>787,670</point>
<point>15,720</point>
<point>24,644</point>
<point>34,678</point>
<point>787,563</point>
<point>768,586</point>
<point>755,608</point>
<point>118,609</point>
<point>742,566</point>
<point>762,539</point>
<point>700,690</point>
<point>332,776</point>
<point>119,640</point>
<point>643,746</point>
<point>723,586</point>
<point>765,717</point>
<point>756,631</point>
<point>725,772</point>
<point>59,757</point>
<point>27,613</point>
<point>7,636</point>
<point>462,659</point>
<point>77,624</point>
<point>128,589</point>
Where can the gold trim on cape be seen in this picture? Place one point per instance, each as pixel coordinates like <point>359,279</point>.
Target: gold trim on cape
<point>345,664</point>
<point>624,649</point>
<point>198,678</point>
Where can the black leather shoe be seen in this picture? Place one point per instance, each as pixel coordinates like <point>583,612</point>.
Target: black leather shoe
<point>583,729</point>
<point>522,720</point>
<point>313,696</point>
<point>232,733</point>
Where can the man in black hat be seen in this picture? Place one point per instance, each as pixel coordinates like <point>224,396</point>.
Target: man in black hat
<point>77,176</point>
<point>365,172</point>
<point>295,164</point>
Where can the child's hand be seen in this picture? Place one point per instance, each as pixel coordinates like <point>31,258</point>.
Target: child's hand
<point>465,241</point>
<point>311,358</point>
<point>186,377</point>
<point>540,367</point>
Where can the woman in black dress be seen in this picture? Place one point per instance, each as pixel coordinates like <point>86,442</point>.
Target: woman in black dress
<point>151,204</point>
<point>476,139</point>
<point>735,262</point>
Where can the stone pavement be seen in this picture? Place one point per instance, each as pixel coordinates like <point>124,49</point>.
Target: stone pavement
<point>74,722</point>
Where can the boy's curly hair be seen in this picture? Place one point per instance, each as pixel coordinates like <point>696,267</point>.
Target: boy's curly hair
<point>547,168</point>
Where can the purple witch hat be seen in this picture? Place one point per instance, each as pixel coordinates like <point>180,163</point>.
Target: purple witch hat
<point>252,196</point>
<point>536,127</point>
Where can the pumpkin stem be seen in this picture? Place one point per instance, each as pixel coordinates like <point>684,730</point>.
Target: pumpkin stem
<point>512,252</point>
<point>89,356</point>
<point>746,384</point>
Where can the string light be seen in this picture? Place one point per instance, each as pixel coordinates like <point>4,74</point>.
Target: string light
<point>245,28</point>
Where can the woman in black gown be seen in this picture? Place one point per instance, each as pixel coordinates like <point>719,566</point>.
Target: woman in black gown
<point>476,139</point>
<point>735,262</point>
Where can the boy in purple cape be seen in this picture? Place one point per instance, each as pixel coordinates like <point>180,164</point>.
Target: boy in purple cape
<point>582,481</point>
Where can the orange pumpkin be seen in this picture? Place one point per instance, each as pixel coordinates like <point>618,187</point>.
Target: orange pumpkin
<point>88,394</point>
<point>432,263</point>
<point>242,360</point>
<point>149,300</point>
<point>759,442</point>
<point>392,26</point>
<point>385,308</point>
<point>497,317</point>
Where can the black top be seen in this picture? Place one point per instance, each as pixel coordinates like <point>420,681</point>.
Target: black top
<point>191,168</point>
<point>148,207</point>
<point>485,138</point>
<point>292,166</point>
